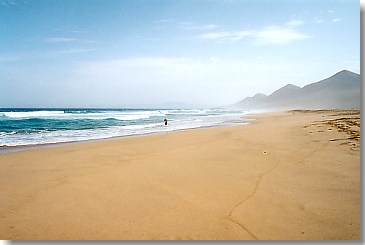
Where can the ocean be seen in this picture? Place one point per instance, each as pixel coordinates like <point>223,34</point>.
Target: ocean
<point>32,127</point>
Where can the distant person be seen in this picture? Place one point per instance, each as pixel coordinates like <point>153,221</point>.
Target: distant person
<point>165,120</point>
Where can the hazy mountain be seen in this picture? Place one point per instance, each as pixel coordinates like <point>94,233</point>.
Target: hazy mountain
<point>340,91</point>
<point>252,101</point>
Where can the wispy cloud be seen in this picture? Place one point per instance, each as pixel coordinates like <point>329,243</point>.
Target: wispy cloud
<point>179,78</point>
<point>214,35</point>
<point>59,40</point>
<point>8,3</point>
<point>233,36</point>
<point>8,58</point>
<point>192,26</point>
<point>185,25</point>
<point>79,31</point>
<point>73,51</point>
<point>165,21</point>
<point>336,20</point>
<point>294,23</point>
<point>278,35</point>
<point>283,34</point>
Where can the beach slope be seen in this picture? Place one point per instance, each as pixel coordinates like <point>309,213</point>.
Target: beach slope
<point>289,175</point>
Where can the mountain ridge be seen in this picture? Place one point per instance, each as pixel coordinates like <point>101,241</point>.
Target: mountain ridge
<point>339,91</point>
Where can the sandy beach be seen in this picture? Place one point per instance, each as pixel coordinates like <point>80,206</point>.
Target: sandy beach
<point>288,175</point>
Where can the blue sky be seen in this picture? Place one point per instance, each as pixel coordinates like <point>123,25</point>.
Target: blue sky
<point>95,53</point>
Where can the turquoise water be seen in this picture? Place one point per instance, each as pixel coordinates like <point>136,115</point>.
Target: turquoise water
<point>23,127</point>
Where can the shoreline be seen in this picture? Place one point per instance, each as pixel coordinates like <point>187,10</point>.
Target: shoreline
<point>21,148</point>
<point>74,125</point>
<point>287,176</point>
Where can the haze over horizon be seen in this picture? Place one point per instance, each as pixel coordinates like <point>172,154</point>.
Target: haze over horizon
<point>93,53</point>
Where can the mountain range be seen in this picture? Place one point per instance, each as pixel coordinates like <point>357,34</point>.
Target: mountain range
<point>340,91</point>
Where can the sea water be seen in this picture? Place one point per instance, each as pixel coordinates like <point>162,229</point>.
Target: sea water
<point>29,127</point>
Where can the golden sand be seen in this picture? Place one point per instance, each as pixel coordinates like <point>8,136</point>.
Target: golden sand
<point>291,175</point>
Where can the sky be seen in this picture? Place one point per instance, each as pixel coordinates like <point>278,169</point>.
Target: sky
<point>146,53</point>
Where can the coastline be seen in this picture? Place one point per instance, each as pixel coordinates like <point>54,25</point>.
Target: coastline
<point>286,176</point>
<point>10,149</point>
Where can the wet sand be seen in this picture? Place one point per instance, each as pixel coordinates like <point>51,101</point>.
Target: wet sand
<point>289,175</point>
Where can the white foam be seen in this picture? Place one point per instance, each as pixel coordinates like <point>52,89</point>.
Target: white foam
<point>7,133</point>
<point>137,127</point>
<point>186,111</point>
<point>61,136</point>
<point>130,117</point>
<point>33,114</point>
<point>118,115</point>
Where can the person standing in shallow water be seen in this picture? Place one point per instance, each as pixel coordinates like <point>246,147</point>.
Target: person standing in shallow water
<point>165,121</point>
